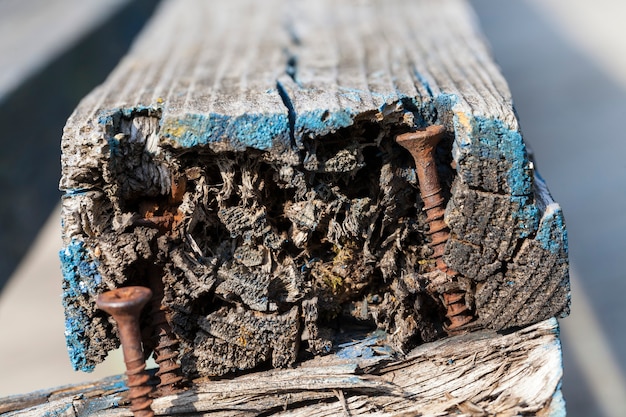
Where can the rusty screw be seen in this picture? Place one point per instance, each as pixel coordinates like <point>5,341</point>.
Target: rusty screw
<point>166,344</point>
<point>125,305</point>
<point>422,144</point>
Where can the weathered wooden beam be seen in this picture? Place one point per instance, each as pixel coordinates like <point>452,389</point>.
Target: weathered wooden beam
<point>242,162</point>
<point>476,374</point>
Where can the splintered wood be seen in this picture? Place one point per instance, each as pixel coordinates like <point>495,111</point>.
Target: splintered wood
<point>477,374</point>
<point>241,160</point>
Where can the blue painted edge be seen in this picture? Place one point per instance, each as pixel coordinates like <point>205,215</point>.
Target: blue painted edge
<point>557,405</point>
<point>321,122</point>
<point>492,139</point>
<point>527,217</point>
<point>80,278</point>
<point>258,131</point>
<point>552,234</point>
<point>489,138</point>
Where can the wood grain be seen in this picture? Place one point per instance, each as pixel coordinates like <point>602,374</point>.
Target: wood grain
<point>478,374</point>
<point>245,154</point>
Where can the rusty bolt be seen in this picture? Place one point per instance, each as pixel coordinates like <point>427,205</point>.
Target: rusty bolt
<point>422,144</point>
<point>125,305</point>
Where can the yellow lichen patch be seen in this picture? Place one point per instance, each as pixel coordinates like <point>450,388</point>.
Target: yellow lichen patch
<point>463,120</point>
<point>174,129</point>
<point>244,335</point>
<point>345,256</point>
<point>323,274</point>
<point>345,275</point>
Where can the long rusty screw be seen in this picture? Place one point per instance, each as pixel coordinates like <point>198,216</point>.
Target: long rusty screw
<point>422,144</point>
<point>125,305</point>
<point>166,344</point>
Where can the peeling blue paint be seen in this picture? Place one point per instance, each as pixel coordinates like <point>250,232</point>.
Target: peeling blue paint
<point>557,404</point>
<point>321,122</point>
<point>114,385</point>
<point>80,278</point>
<point>365,348</point>
<point>61,411</point>
<point>258,131</point>
<point>552,233</point>
<point>527,217</point>
<point>492,139</point>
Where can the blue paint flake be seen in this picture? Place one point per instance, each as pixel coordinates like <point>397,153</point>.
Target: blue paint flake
<point>80,279</point>
<point>59,411</point>
<point>492,139</point>
<point>527,217</point>
<point>321,122</point>
<point>258,131</point>
<point>365,348</point>
<point>552,233</point>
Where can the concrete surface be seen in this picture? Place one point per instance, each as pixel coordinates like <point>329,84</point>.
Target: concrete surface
<point>565,62</point>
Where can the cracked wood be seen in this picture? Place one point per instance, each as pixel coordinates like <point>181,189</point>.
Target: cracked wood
<point>245,153</point>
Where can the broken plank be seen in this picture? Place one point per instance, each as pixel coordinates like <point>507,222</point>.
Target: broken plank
<point>246,169</point>
<point>481,373</point>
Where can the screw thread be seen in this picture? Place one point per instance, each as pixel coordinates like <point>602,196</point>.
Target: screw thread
<point>125,305</point>
<point>165,351</point>
<point>166,344</point>
<point>138,388</point>
<point>422,144</point>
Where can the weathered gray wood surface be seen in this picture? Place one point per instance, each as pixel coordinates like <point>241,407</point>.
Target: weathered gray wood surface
<point>471,375</point>
<point>243,153</point>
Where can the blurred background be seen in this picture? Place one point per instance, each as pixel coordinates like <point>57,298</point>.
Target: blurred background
<point>565,62</point>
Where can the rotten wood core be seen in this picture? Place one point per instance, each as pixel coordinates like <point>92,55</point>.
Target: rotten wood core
<point>274,256</point>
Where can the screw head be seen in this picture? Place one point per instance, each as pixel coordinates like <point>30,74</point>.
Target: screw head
<point>421,139</point>
<point>125,301</point>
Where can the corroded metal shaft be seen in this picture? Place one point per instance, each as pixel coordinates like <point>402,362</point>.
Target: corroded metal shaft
<point>125,305</point>
<point>422,144</point>
<point>166,344</point>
